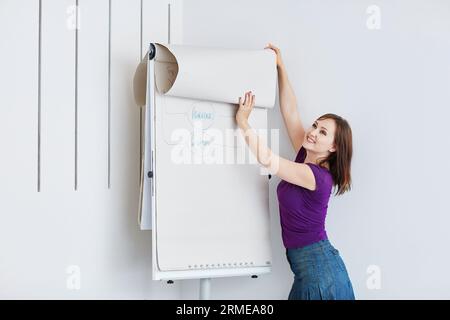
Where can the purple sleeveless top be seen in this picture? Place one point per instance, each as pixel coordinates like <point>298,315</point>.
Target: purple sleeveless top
<point>302,211</point>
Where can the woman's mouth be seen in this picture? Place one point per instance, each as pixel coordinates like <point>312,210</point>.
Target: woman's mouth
<point>310,140</point>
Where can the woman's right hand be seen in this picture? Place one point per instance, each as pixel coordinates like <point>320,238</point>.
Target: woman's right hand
<point>277,52</point>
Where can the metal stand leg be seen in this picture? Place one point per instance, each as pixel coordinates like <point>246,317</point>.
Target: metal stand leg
<point>205,289</point>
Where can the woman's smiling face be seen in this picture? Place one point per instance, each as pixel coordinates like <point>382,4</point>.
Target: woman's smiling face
<point>319,137</point>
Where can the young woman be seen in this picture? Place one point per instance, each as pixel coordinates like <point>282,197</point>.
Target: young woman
<point>324,153</point>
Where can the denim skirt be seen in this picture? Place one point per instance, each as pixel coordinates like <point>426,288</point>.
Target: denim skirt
<point>319,273</point>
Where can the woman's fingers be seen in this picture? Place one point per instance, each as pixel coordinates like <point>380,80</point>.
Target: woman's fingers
<point>277,53</point>
<point>271,46</point>
<point>249,100</point>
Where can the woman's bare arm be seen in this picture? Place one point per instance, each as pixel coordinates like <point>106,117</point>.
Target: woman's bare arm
<point>288,103</point>
<point>288,107</point>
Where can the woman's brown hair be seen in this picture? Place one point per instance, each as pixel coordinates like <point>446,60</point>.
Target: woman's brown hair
<point>340,160</point>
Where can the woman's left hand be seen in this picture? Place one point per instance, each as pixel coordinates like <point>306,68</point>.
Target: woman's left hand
<point>245,108</point>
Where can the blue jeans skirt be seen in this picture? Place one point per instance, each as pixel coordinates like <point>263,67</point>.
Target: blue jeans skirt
<point>319,273</point>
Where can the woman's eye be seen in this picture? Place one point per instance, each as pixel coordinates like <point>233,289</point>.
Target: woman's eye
<point>323,132</point>
<point>314,125</point>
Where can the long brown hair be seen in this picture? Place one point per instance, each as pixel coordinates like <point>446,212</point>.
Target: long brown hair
<point>340,160</point>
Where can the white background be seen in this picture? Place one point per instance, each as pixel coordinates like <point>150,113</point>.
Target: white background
<point>392,84</point>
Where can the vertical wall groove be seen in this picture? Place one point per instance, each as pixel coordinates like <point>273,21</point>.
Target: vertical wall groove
<point>140,108</point>
<point>140,35</point>
<point>109,94</point>
<point>39,99</point>
<point>168,24</point>
<point>76,94</point>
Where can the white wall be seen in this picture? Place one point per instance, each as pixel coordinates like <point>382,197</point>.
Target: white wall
<point>393,85</point>
<point>80,226</point>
